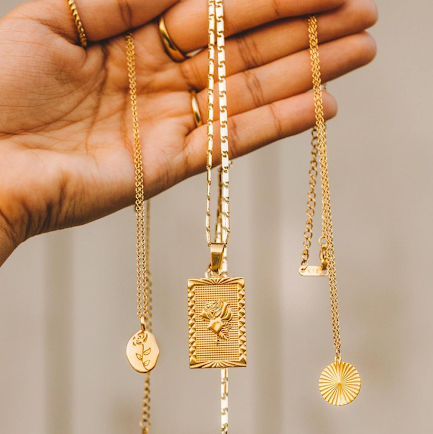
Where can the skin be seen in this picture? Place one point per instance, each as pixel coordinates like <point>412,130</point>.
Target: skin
<point>65,125</point>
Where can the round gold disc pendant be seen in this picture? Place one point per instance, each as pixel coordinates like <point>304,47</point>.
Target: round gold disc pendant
<point>142,351</point>
<point>339,383</point>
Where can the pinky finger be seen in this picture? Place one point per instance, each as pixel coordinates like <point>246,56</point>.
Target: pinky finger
<point>256,128</point>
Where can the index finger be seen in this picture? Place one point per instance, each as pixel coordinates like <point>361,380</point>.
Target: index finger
<point>101,19</point>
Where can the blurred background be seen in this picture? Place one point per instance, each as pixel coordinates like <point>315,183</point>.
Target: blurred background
<point>67,299</point>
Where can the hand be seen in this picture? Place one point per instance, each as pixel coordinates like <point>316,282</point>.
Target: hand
<point>65,125</point>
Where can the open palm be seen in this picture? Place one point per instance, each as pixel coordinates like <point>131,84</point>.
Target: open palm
<point>65,125</point>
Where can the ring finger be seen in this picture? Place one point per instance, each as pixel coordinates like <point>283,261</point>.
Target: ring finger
<point>291,75</point>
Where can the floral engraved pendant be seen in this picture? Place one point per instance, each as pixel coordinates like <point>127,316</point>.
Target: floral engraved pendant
<point>216,319</point>
<point>142,351</point>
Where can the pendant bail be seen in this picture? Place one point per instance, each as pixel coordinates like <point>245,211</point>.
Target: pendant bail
<point>216,257</point>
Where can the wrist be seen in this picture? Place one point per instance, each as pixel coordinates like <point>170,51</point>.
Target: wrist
<point>8,242</point>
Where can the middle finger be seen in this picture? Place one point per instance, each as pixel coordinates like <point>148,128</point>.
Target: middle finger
<point>281,39</point>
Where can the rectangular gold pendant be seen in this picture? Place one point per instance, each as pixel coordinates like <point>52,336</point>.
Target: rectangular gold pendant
<point>216,320</point>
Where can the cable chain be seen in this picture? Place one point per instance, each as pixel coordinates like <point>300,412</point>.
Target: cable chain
<point>326,196</point>
<point>145,423</point>
<point>217,41</point>
<point>142,210</point>
<point>140,207</point>
<point>311,202</point>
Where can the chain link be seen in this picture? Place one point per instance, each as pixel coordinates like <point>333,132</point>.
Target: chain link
<point>219,229</point>
<point>222,230</point>
<point>326,197</point>
<point>145,423</point>
<point>140,206</point>
<point>311,202</point>
<point>217,42</point>
<point>142,210</point>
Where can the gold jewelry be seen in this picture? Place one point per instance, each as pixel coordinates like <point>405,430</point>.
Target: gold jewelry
<point>78,23</point>
<point>216,304</point>
<point>340,382</point>
<point>305,269</point>
<point>196,109</point>
<point>142,350</point>
<point>170,47</point>
<point>224,371</point>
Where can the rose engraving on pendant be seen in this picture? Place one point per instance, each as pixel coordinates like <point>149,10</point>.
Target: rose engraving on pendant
<point>142,351</point>
<point>219,314</point>
<point>140,340</point>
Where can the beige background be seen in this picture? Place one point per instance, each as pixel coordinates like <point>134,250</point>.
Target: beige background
<point>67,302</point>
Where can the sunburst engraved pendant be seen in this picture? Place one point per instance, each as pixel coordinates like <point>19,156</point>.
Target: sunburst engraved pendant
<point>339,383</point>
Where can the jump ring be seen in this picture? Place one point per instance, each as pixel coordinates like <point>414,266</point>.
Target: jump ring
<point>78,23</point>
<point>196,110</point>
<point>175,53</point>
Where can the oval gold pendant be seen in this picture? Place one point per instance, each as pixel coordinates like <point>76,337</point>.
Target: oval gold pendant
<point>142,351</point>
<point>339,383</point>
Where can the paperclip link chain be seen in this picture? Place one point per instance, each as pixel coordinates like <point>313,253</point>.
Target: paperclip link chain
<point>326,197</point>
<point>224,372</point>
<point>217,42</point>
<point>142,210</point>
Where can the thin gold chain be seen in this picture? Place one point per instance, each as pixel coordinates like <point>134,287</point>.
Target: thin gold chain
<point>311,202</point>
<point>145,423</point>
<point>140,206</point>
<point>326,197</point>
<point>142,210</point>
<point>217,42</point>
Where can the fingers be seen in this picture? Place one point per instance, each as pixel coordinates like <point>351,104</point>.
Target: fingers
<point>187,21</point>
<point>277,40</point>
<point>256,128</point>
<point>291,75</point>
<point>101,18</point>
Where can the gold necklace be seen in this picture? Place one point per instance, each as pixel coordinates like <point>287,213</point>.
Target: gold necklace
<point>340,382</point>
<point>142,350</point>
<point>224,371</point>
<point>216,304</point>
<point>306,269</point>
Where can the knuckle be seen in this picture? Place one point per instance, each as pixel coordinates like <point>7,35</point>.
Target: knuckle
<point>254,87</point>
<point>277,6</point>
<point>126,13</point>
<point>249,51</point>
<point>234,137</point>
<point>277,119</point>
